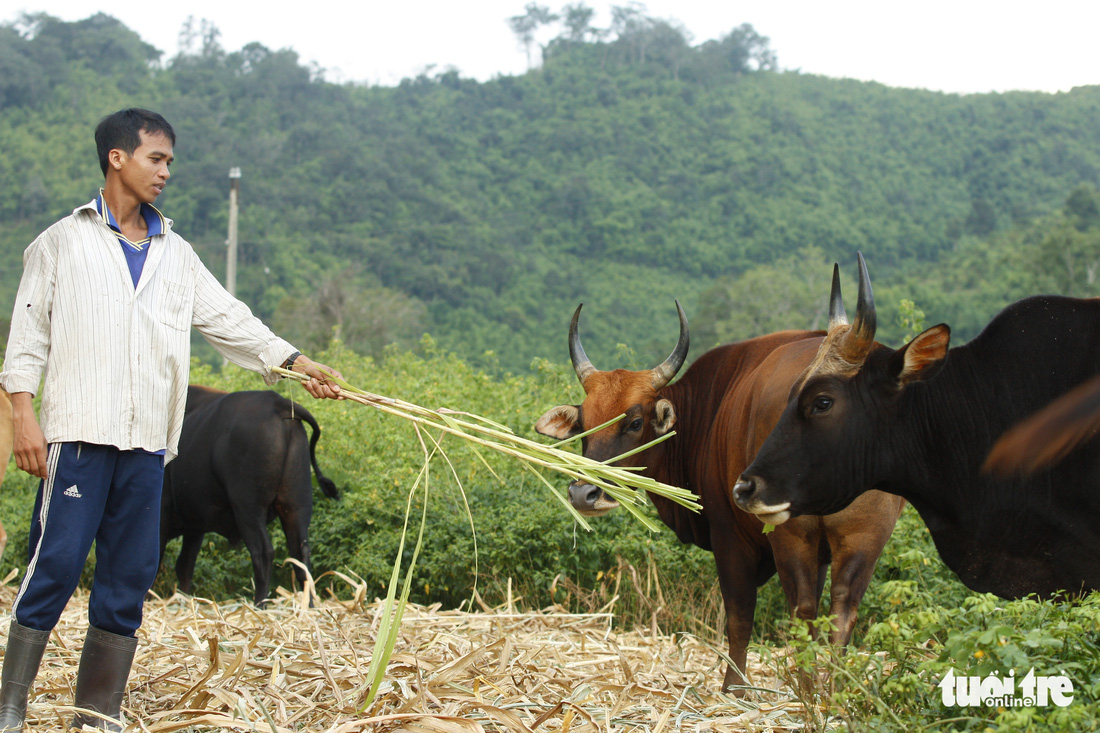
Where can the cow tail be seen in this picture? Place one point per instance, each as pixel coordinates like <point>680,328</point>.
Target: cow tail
<point>327,486</point>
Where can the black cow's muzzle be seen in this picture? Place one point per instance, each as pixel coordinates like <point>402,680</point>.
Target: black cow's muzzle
<point>747,492</point>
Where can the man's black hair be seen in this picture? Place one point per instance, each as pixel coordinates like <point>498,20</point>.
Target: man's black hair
<point>122,130</point>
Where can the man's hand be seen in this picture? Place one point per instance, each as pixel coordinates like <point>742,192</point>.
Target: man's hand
<point>319,384</point>
<point>28,444</point>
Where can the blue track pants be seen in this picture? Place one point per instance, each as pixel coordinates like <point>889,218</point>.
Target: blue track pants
<point>100,493</point>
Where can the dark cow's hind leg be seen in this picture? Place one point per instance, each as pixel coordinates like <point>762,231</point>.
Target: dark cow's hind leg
<point>185,563</point>
<point>296,529</point>
<point>258,542</point>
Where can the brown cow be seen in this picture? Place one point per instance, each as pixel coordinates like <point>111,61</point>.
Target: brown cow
<point>723,408</point>
<point>7,430</point>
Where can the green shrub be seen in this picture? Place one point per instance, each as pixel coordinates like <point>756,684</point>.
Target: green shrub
<point>917,623</point>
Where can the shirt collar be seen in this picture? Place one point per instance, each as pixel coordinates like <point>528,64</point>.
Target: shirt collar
<point>157,222</point>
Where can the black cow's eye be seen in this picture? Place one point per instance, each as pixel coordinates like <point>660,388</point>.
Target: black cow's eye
<point>821,404</point>
<point>635,424</point>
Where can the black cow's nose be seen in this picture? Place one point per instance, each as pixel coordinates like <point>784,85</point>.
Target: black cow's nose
<point>744,489</point>
<point>583,496</point>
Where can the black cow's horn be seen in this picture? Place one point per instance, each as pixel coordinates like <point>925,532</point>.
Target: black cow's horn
<point>664,373</point>
<point>857,342</point>
<point>837,315</point>
<point>581,365</point>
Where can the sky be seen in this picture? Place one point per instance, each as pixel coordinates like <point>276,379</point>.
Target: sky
<point>962,46</point>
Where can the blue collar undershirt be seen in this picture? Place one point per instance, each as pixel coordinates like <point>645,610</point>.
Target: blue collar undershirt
<point>135,252</point>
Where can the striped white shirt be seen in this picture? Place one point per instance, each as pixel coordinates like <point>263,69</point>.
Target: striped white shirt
<point>116,357</point>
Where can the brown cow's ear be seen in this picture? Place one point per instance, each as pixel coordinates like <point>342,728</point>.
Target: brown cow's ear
<point>922,357</point>
<point>560,422</point>
<point>665,417</point>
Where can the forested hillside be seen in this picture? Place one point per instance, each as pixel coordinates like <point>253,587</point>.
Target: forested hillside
<point>630,168</point>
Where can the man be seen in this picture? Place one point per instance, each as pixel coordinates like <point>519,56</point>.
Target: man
<point>103,311</point>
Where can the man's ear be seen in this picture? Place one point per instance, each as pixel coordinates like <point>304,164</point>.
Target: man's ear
<point>115,158</point>
<point>664,417</point>
<point>560,422</point>
<point>922,357</point>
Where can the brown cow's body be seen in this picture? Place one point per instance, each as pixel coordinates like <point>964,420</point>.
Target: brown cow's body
<point>724,406</point>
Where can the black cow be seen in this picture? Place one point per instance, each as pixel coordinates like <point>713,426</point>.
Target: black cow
<point>919,422</point>
<point>243,460</point>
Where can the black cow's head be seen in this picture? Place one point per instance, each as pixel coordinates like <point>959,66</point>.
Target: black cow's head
<point>608,395</point>
<point>833,441</point>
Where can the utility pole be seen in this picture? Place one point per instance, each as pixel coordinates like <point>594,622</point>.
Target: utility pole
<point>231,242</point>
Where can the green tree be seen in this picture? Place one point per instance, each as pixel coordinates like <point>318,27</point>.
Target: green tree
<point>982,219</point>
<point>744,50</point>
<point>792,293</point>
<point>1083,207</point>
<point>357,312</point>
<point>525,26</point>
<point>577,19</point>
<point>1071,258</point>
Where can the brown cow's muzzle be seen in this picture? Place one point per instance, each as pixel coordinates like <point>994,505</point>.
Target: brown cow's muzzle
<point>589,500</point>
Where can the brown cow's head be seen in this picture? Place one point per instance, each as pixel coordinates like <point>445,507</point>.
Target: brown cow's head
<point>608,395</point>
<point>830,443</point>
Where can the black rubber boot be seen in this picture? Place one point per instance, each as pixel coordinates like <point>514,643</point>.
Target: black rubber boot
<point>21,660</point>
<point>101,678</point>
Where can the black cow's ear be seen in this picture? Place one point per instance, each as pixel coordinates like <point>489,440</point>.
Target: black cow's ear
<point>664,418</point>
<point>922,357</point>
<point>560,422</point>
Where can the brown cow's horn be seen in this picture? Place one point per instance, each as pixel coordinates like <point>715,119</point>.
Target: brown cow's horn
<point>664,373</point>
<point>857,342</point>
<point>581,365</point>
<point>837,315</point>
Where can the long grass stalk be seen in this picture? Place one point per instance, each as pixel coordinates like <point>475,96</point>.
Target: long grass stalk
<point>394,609</point>
<point>624,484</point>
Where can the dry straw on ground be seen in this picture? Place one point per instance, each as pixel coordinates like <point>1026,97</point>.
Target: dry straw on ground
<point>203,666</point>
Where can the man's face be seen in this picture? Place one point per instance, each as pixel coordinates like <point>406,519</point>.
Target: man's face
<point>144,173</point>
